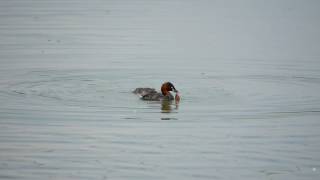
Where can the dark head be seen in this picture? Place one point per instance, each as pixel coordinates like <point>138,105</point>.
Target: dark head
<point>166,87</point>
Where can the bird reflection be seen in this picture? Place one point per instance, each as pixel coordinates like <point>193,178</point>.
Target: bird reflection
<point>167,106</point>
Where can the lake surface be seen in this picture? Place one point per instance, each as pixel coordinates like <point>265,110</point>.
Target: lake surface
<point>248,74</point>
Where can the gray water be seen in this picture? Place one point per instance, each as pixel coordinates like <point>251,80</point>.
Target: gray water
<point>248,73</point>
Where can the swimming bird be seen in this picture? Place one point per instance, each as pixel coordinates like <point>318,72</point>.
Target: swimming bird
<point>150,94</point>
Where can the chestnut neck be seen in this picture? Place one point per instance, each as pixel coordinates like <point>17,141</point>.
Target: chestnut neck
<point>165,89</point>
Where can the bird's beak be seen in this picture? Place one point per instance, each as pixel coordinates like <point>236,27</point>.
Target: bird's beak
<point>174,89</point>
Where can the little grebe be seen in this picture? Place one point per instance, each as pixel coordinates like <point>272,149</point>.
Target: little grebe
<point>151,94</point>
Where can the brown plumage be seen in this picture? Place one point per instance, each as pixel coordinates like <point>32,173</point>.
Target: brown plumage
<point>151,94</point>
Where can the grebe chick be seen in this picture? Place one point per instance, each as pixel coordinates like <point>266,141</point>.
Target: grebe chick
<point>150,94</point>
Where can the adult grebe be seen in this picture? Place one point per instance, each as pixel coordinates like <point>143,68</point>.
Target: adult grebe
<point>150,94</point>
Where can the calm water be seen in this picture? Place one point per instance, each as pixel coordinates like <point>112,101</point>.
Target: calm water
<point>248,73</point>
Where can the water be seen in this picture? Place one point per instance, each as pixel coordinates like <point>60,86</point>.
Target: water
<point>250,93</point>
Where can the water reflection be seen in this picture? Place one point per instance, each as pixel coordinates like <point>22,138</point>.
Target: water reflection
<point>167,106</point>
<point>168,119</point>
